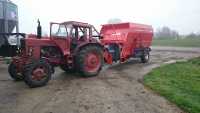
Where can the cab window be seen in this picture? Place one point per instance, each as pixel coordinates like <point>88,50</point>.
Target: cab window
<point>60,31</point>
<point>83,32</point>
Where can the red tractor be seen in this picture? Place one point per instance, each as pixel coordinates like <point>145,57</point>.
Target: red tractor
<point>78,47</point>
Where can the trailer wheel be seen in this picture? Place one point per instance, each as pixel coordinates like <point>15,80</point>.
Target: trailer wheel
<point>66,69</point>
<point>37,74</point>
<point>12,70</point>
<point>145,57</point>
<point>89,61</point>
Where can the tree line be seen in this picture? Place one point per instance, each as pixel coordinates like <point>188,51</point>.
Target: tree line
<point>166,32</point>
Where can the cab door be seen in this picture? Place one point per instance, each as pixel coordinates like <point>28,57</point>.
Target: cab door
<point>60,35</point>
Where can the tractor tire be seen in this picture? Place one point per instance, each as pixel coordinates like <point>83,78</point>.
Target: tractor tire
<point>145,57</point>
<point>37,73</point>
<point>13,72</point>
<point>66,69</point>
<point>89,61</point>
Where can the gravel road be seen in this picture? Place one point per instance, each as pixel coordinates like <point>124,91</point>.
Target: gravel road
<point>117,89</point>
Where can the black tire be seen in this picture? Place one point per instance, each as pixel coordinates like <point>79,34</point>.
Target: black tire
<point>66,69</point>
<point>80,63</point>
<point>145,57</point>
<point>28,73</point>
<point>13,72</point>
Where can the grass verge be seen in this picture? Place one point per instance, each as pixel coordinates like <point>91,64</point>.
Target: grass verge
<point>179,83</point>
<point>187,42</point>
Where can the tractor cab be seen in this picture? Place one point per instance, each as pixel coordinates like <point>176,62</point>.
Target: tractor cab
<point>68,35</point>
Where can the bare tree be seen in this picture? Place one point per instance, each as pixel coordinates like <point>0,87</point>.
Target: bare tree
<point>166,32</point>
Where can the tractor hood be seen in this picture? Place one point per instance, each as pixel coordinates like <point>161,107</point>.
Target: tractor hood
<point>32,40</point>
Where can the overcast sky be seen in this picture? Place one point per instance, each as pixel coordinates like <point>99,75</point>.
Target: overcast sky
<point>181,15</point>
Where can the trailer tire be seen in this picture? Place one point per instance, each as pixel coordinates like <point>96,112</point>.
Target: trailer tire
<point>145,57</point>
<point>37,73</point>
<point>89,60</point>
<point>13,72</point>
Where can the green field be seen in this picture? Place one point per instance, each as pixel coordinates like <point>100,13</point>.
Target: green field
<point>179,83</point>
<point>187,42</point>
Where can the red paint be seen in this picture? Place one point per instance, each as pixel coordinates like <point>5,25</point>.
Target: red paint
<point>128,35</point>
<point>107,57</point>
<point>92,62</point>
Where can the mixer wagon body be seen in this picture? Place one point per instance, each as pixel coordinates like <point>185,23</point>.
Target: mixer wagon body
<point>127,40</point>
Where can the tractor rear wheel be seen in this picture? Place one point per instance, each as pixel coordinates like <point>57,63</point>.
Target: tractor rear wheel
<point>37,74</point>
<point>14,74</point>
<point>89,61</point>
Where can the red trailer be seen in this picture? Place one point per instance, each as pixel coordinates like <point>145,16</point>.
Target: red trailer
<point>127,40</point>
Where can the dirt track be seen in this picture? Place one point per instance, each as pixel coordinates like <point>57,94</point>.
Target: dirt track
<point>118,89</point>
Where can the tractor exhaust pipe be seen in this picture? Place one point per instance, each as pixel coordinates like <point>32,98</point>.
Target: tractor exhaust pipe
<point>39,30</point>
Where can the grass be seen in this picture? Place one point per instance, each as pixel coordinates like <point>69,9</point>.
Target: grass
<point>187,42</point>
<point>179,83</point>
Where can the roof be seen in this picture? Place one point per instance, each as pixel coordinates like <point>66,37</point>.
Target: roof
<point>126,25</point>
<point>76,23</point>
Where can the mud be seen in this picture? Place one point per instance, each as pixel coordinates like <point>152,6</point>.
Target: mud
<point>117,89</point>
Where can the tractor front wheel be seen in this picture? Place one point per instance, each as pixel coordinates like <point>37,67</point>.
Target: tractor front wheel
<point>89,61</point>
<point>14,74</point>
<point>37,74</point>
